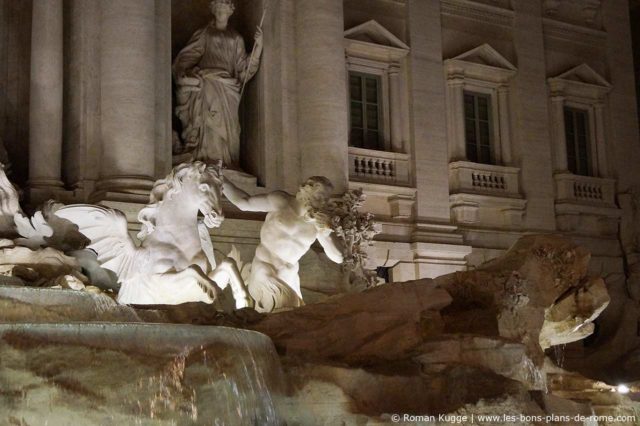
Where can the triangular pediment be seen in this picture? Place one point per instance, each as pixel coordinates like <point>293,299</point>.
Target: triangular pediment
<point>583,73</point>
<point>372,32</point>
<point>486,55</point>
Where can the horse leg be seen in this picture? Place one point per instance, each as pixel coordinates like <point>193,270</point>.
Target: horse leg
<point>194,272</point>
<point>227,273</point>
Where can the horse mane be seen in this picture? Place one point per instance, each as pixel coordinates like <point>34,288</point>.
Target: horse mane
<point>165,189</point>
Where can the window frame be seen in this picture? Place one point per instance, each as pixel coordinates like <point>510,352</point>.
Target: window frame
<point>591,167</point>
<point>381,142</point>
<point>492,76</point>
<point>490,121</point>
<point>584,89</point>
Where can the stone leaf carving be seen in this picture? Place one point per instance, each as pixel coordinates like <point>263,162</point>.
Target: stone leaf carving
<point>355,230</point>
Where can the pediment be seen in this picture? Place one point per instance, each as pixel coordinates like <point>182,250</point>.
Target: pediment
<point>482,63</point>
<point>374,33</point>
<point>487,56</point>
<point>584,74</point>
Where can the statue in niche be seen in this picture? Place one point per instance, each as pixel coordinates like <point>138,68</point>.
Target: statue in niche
<point>292,225</point>
<point>210,74</point>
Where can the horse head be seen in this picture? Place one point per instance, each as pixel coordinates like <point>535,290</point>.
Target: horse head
<point>192,184</point>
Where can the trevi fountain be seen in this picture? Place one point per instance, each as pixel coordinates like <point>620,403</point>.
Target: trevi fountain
<point>111,315</point>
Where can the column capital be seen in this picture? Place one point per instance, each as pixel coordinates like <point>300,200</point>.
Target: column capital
<point>455,81</point>
<point>394,70</point>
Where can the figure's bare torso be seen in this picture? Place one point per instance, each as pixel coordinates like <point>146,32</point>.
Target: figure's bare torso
<point>285,237</point>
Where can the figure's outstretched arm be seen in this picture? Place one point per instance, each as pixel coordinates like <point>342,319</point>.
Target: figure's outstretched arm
<point>331,245</point>
<point>257,203</point>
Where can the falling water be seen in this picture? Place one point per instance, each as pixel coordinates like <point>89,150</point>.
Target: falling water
<point>102,303</point>
<point>535,376</point>
<point>558,352</point>
<point>140,374</point>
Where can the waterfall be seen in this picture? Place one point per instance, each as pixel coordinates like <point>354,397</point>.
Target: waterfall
<point>117,373</point>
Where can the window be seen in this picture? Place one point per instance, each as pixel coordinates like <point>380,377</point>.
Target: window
<point>365,104</point>
<point>477,127</point>
<point>576,130</point>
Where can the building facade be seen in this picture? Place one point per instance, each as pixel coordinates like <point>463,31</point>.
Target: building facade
<point>468,123</point>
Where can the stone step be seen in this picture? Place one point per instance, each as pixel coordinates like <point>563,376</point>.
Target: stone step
<point>137,373</point>
<point>140,337</point>
<point>34,304</point>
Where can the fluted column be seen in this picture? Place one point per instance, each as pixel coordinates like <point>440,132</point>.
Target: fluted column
<point>45,110</point>
<point>128,62</point>
<point>322,90</point>
<point>396,109</point>
<point>559,140</point>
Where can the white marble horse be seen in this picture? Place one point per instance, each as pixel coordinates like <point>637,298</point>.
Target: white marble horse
<point>174,261</point>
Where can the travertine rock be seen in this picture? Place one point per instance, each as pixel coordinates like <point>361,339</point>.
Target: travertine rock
<point>98,374</point>
<point>509,296</point>
<point>507,359</point>
<point>571,317</point>
<point>383,323</point>
<point>69,281</point>
<point>47,263</point>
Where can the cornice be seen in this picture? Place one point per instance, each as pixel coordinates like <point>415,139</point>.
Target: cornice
<point>478,12</point>
<point>565,31</point>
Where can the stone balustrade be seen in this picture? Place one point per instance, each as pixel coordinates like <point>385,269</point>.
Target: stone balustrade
<point>479,178</point>
<point>584,189</point>
<point>366,165</point>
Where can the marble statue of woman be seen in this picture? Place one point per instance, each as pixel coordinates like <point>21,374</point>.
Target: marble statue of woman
<point>210,72</point>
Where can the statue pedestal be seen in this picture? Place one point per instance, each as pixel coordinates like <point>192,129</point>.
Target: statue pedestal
<point>248,183</point>
<point>242,180</point>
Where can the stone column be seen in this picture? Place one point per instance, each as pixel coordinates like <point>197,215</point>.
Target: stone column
<point>395,105</point>
<point>530,145</point>
<point>505,122</point>
<point>428,133</point>
<point>458,150</point>
<point>559,140</point>
<point>164,111</point>
<point>601,146</point>
<point>128,70</point>
<point>322,90</point>
<point>45,113</point>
